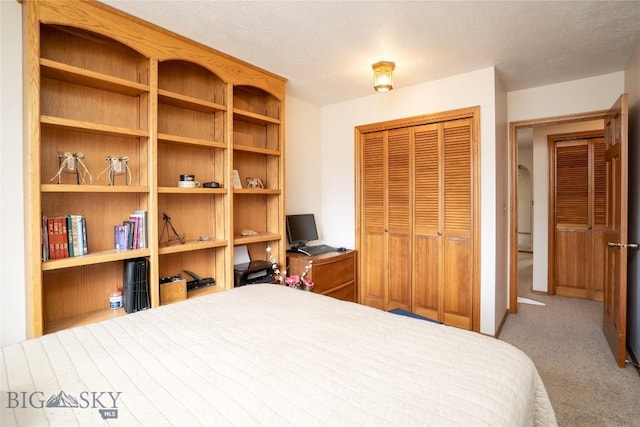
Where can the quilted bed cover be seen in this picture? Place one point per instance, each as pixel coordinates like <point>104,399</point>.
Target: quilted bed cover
<point>269,355</point>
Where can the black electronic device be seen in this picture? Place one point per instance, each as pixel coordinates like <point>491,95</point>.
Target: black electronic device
<point>301,229</point>
<point>198,282</point>
<point>212,184</point>
<point>252,272</point>
<point>136,285</point>
<point>341,249</point>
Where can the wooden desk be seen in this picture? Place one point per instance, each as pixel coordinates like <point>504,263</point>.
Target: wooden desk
<point>333,273</point>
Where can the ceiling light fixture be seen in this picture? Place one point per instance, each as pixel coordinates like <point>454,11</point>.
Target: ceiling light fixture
<point>383,76</point>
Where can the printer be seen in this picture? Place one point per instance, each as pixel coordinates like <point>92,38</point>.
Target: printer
<point>248,272</point>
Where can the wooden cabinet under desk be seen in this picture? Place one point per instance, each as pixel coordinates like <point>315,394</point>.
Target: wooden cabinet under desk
<point>333,273</point>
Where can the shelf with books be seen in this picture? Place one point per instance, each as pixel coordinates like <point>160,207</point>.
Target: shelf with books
<point>98,257</point>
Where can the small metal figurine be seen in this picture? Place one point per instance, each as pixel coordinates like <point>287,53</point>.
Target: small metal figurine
<point>117,166</point>
<point>168,227</point>
<point>72,163</point>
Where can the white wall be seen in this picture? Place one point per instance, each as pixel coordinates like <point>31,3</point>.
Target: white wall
<point>576,96</point>
<point>303,145</point>
<point>338,192</point>
<point>632,87</point>
<point>12,277</point>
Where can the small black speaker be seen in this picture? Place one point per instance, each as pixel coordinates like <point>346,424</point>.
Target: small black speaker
<point>136,285</point>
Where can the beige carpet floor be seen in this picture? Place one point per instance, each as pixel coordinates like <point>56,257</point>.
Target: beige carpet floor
<point>565,341</point>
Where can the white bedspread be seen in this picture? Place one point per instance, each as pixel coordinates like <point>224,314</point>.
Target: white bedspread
<point>269,355</point>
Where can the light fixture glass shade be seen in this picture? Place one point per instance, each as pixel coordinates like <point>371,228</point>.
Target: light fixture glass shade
<point>383,76</point>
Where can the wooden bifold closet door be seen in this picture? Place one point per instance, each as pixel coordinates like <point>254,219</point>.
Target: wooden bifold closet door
<point>386,213</point>
<point>417,218</point>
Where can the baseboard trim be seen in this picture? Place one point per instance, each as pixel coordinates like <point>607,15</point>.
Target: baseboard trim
<point>633,358</point>
<point>504,319</point>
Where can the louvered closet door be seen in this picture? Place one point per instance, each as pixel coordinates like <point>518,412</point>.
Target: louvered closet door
<point>443,243</point>
<point>399,177</point>
<point>580,219</point>
<point>387,219</point>
<point>416,183</point>
<point>373,217</point>
<point>427,272</point>
<point>457,217</point>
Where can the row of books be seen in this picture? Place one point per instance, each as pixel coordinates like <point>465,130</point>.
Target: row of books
<point>64,237</point>
<point>132,234</point>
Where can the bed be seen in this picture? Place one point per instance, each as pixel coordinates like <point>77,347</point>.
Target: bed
<point>269,355</point>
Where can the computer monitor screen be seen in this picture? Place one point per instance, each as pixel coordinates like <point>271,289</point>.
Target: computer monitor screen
<point>301,229</point>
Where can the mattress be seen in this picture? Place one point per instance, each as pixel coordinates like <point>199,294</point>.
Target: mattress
<point>269,355</point>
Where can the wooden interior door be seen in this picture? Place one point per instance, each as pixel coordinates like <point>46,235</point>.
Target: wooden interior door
<point>614,322</point>
<point>578,178</point>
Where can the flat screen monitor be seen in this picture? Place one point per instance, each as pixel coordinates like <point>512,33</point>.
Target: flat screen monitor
<point>301,229</point>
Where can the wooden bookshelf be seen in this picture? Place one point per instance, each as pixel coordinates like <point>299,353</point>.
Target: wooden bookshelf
<point>102,83</point>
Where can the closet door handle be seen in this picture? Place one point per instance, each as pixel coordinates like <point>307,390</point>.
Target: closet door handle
<point>439,233</point>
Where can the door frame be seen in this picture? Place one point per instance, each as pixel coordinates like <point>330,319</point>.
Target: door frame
<point>513,188</point>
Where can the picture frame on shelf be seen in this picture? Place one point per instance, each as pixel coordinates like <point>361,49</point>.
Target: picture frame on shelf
<point>236,179</point>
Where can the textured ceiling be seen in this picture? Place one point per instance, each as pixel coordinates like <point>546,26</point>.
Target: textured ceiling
<point>325,48</point>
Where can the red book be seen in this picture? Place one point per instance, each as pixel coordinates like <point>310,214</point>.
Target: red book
<point>51,238</point>
<point>58,239</point>
<point>64,238</point>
